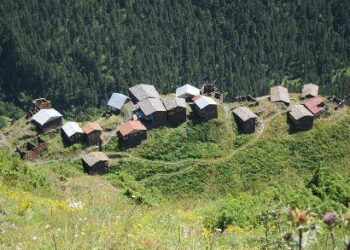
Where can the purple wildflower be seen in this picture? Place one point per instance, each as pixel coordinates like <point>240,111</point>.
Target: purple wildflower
<point>329,218</point>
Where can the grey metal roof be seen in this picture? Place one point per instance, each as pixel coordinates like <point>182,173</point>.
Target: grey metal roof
<point>310,89</point>
<point>143,91</point>
<point>187,90</point>
<point>71,128</point>
<point>151,105</point>
<point>279,94</point>
<point>244,113</point>
<point>298,111</point>
<point>46,115</point>
<point>94,157</point>
<point>117,100</point>
<point>204,101</point>
<point>174,103</point>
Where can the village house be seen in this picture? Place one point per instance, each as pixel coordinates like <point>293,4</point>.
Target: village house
<point>279,94</point>
<point>132,133</point>
<point>309,90</point>
<point>300,118</point>
<point>187,92</point>
<point>47,119</point>
<point>315,105</point>
<point>152,112</point>
<point>72,132</point>
<point>117,101</point>
<point>95,163</point>
<point>141,92</point>
<point>176,110</point>
<point>245,119</point>
<point>41,103</point>
<point>206,108</point>
<point>92,132</point>
<point>32,149</point>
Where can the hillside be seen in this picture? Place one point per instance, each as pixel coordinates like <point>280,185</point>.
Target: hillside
<point>77,52</point>
<point>180,187</point>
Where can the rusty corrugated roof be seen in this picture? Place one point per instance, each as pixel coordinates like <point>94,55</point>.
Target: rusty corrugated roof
<point>313,104</point>
<point>128,127</point>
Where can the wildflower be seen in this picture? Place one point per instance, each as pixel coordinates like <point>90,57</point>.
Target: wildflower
<point>76,204</point>
<point>329,218</point>
<point>300,217</point>
<point>47,226</point>
<point>35,238</point>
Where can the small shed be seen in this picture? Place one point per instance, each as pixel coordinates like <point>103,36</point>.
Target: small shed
<point>315,105</point>
<point>132,133</point>
<point>176,110</point>
<point>32,149</point>
<point>279,94</point>
<point>41,103</point>
<point>141,92</point>
<point>72,132</point>
<point>245,119</point>
<point>152,112</point>
<point>187,92</point>
<point>47,119</point>
<point>309,90</point>
<point>95,163</point>
<point>92,132</point>
<point>300,118</point>
<point>117,101</point>
<point>206,108</point>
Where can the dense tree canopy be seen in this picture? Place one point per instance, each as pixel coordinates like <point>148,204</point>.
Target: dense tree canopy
<point>77,52</point>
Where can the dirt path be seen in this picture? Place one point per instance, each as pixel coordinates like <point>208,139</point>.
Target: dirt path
<point>260,131</point>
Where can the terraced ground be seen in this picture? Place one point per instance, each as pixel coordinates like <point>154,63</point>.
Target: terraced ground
<point>175,189</point>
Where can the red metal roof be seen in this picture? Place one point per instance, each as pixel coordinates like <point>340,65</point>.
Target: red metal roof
<point>313,104</point>
<point>130,126</point>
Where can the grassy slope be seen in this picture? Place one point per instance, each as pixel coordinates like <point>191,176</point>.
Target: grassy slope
<point>267,173</point>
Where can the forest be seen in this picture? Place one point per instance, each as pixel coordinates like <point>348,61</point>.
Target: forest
<point>78,52</point>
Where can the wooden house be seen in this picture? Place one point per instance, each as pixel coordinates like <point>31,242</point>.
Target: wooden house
<point>245,119</point>
<point>309,90</point>
<point>152,112</point>
<point>141,92</point>
<point>117,101</point>
<point>206,108</point>
<point>47,119</point>
<point>315,105</point>
<point>187,92</point>
<point>92,132</point>
<point>41,103</point>
<point>95,163</point>
<point>176,110</point>
<point>279,94</point>
<point>132,133</point>
<point>72,132</point>
<point>300,118</point>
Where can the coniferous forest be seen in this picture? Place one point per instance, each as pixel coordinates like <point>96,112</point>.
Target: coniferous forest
<point>77,52</point>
